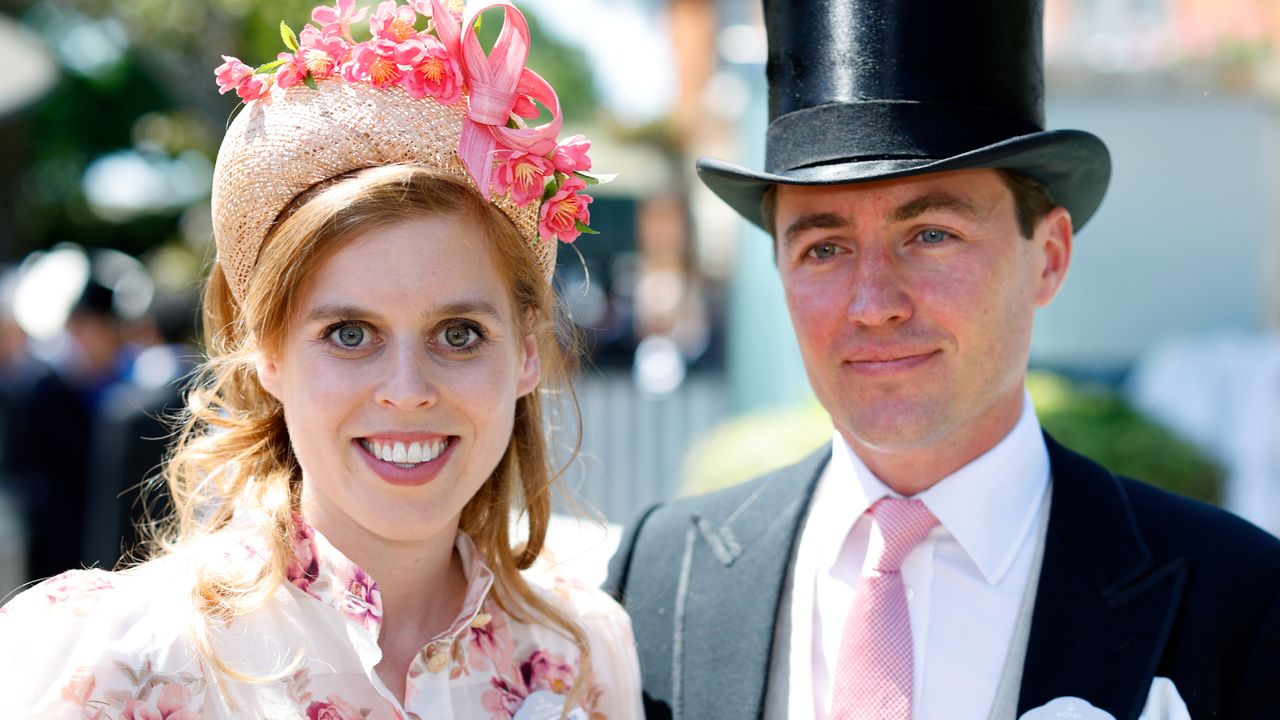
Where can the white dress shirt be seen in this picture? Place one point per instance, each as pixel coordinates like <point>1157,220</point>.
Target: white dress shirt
<point>964,582</point>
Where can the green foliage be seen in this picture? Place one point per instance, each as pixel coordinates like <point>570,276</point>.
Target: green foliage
<point>753,444</point>
<point>1095,421</point>
<point>1092,420</point>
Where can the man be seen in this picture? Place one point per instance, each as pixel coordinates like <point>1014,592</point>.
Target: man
<point>942,558</point>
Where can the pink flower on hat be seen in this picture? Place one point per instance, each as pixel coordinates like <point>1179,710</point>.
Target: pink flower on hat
<point>431,70</point>
<point>322,52</point>
<point>523,174</point>
<point>571,155</point>
<point>394,22</point>
<point>252,89</point>
<point>231,74</point>
<point>339,17</point>
<point>559,216</point>
<point>235,75</point>
<point>292,71</point>
<point>373,62</point>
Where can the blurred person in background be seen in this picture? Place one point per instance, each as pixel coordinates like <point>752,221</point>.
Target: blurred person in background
<point>75,305</point>
<point>132,431</point>
<point>380,323</point>
<point>942,557</point>
<point>17,370</point>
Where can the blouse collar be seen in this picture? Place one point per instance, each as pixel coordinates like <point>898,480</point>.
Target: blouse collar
<point>320,570</point>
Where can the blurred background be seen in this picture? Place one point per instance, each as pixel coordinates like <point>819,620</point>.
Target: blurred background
<point>1160,357</point>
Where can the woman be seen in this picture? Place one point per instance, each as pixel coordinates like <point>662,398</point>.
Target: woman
<point>379,323</point>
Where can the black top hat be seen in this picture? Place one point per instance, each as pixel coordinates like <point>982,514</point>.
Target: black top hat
<point>864,90</point>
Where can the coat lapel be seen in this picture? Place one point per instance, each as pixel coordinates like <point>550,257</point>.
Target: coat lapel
<point>737,566</point>
<point>1104,607</point>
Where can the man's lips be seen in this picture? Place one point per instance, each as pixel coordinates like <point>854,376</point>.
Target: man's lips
<point>890,362</point>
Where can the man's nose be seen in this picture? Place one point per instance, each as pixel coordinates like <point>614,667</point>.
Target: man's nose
<point>409,383</point>
<point>879,291</point>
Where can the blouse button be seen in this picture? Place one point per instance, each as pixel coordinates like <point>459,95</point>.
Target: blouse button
<point>438,660</point>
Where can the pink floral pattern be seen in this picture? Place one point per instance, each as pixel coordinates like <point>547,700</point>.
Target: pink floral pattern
<point>541,671</point>
<point>363,601</point>
<point>101,648</point>
<point>168,702</point>
<point>74,585</point>
<point>304,562</point>
<point>335,708</point>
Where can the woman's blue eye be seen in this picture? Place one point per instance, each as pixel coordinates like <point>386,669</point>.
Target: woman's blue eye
<point>933,237</point>
<point>459,336</point>
<point>349,336</point>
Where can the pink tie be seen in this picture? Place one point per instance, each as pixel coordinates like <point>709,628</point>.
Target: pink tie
<point>874,671</point>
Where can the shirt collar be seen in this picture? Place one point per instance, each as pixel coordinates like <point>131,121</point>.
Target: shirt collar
<point>989,506</point>
<point>320,570</point>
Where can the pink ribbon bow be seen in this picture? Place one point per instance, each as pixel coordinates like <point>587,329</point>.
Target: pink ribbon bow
<point>497,83</point>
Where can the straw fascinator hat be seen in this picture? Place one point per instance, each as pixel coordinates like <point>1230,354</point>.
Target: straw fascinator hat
<point>421,91</point>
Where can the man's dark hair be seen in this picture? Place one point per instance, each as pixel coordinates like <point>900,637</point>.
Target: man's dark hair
<point>1031,201</point>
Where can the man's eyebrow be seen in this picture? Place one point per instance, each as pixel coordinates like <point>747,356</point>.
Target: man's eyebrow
<point>932,201</point>
<point>812,221</point>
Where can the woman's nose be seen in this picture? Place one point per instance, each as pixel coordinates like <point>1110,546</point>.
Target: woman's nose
<point>408,384</point>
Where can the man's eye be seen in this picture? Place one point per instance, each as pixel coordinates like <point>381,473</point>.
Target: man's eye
<point>349,336</point>
<point>933,237</point>
<point>822,251</point>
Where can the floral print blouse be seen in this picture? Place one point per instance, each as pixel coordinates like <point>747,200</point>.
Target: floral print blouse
<point>97,645</point>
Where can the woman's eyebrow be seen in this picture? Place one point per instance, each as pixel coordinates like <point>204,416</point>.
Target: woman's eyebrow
<point>472,306</point>
<point>337,310</point>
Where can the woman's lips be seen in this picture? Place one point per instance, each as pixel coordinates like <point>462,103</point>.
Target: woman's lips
<point>407,473</point>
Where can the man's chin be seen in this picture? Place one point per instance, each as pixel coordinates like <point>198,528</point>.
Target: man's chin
<point>890,428</point>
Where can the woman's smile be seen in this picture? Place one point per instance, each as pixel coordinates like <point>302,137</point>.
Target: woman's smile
<point>406,463</point>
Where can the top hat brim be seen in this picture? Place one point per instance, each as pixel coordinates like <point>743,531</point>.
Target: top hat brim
<point>1074,166</point>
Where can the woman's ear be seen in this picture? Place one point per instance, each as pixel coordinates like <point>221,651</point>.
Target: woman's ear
<point>530,366</point>
<point>269,375</point>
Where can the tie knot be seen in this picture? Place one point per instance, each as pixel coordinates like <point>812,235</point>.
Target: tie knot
<point>903,524</point>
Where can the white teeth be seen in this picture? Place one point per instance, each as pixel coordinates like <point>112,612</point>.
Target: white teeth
<point>410,454</point>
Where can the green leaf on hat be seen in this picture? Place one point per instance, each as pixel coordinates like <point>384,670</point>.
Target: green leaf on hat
<point>552,188</point>
<point>584,229</point>
<point>289,37</point>
<point>268,67</point>
<point>310,81</point>
<point>591,179</point>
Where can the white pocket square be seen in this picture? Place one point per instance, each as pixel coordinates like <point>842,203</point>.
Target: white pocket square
<point>1163,703</point>
<point>1067,708</point>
